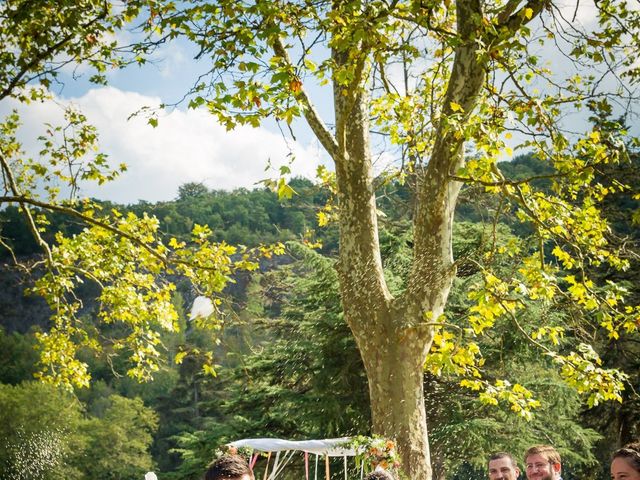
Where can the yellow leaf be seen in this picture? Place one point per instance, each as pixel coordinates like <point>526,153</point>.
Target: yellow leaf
<point>322,219</point>
<point>295,85</point>
<point>179,357</point>
<point>528,12</point>
<point>209,370</point>
<point>284,190</point>
<point>456,107</point>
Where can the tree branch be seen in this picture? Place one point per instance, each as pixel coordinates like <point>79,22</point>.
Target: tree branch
<point>312,116</point>
<point>514,21</point>
<point>52,50</point>
<point>13,186</point>
<point>513,183</point>
<point>22,200</point>
<point>353,90</point>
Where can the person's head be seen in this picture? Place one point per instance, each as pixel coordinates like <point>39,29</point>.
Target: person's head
<point>379,475</point>
<point>542,462</point>
<point>625,463</point>
<point>502,466</point>
<point>229,467</point>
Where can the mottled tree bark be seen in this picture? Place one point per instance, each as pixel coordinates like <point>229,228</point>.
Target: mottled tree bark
<point>392,334</point>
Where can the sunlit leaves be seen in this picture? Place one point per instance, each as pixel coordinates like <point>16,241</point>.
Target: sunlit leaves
<point>449,355</point>
<point>248,82</point>
<point>406,120</point>
<point>495,299</point>
<point>126,257</point>
<point>70,154</point>
<point>489,303</point>
<point>616,37</point>
<point>455,107</point>
<point>59,364</point>
<point>39,39</point>
<point>519,398</point>
<point>329,211</point>
<point>565,258</point>
<point>582,370</point>
<point>68,158</point>
<point>498,297</point>
<point>555,334</point>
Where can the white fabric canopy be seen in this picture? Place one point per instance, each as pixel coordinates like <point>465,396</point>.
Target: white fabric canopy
<point>333,447</point>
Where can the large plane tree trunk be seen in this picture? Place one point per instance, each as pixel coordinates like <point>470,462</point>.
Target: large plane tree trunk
<point>393,334</point>
<point>393,362</point>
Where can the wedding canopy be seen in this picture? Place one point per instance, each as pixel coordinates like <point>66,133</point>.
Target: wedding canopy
<point>284,450</point>
<point>333,447</point>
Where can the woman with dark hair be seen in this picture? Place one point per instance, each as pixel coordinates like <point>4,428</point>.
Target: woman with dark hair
<point>625,463</point>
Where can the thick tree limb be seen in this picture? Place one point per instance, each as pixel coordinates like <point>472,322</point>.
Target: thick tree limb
<point>352,89</point>
<point>429,282</point>
<point>514,21</point>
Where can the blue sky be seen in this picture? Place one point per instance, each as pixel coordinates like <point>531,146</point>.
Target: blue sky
<point>187,146</point>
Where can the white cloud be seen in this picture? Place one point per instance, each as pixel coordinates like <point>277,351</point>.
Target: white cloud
<point>582,12</point>
<point>585,12</point>
<point>174,59</point>
<point>187,146</point>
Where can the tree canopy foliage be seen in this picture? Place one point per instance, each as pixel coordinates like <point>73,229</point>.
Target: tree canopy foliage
<point>470,78</point>
<point>451,86</point>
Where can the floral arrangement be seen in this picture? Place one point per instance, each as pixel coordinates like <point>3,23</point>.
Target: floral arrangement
<point>375,452</point>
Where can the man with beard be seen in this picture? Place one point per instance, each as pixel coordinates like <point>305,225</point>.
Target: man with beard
<point>543,462</point>
<point>502,466</point>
